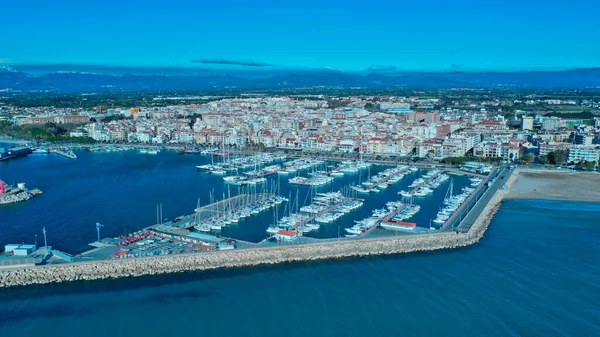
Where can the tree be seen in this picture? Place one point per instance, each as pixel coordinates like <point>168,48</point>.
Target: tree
<point>527,158</point>
<point>558,157</point>
<point>586,165</point>
<point>430,155</point>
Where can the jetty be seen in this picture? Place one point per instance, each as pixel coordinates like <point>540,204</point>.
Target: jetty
<point>13,194</point>
<point>68,153</point>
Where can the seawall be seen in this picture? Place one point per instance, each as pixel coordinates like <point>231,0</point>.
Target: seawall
<point>251,257</point>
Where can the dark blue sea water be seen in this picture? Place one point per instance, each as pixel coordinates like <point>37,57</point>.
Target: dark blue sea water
<point>121,191</point>
<point>535,273</point>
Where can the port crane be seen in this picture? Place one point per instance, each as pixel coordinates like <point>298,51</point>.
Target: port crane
<point>98,225</point>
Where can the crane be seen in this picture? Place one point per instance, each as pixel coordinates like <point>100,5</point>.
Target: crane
<point>45,243</point>
<point>98,225</point>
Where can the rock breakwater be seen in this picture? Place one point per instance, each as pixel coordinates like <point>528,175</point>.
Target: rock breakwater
<point>251,257</point>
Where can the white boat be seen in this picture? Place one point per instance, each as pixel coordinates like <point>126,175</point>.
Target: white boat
<point>337,174</point>
<point>354,230</point>
<point>379,213</point>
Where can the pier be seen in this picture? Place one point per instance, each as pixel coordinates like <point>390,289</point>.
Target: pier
<point>314,216</point>
<point>383,178</point>
<point>228,206</point>
<point>466,215</point>
<point>424,183</point>
<point>68,154</point>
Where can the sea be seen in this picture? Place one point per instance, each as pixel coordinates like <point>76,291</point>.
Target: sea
<point>535,272</point>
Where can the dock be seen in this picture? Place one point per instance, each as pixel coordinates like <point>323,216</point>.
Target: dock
<point>68,154</point>
<point>312,217</point>
<point>385,180</point>
<point>228,206</point>
<point>464,217</point>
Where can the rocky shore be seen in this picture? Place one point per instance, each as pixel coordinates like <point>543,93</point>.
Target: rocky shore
<point>251,257</point>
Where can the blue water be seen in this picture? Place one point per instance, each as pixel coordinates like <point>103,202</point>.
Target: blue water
<point>535,273</point>
<point>121,191</point>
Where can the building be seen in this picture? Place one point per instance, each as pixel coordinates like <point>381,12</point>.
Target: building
<point>496,149</point>
<point>579,153</point>
<point>346,145</point>
<point>547,148</point>
<point>475,167</point>
<point>581,139</point>
<point>550,123</point>
<point>286,235</point>
<point>19,249</point>
<point>526,123</point>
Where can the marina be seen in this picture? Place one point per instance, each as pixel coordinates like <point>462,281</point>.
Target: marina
<point>246,216</point>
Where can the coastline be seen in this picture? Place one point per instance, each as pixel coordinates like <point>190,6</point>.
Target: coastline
<point>111,269</point>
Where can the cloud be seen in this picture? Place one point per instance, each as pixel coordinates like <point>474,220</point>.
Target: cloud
<point>233,62</point>
<point>382,68</point>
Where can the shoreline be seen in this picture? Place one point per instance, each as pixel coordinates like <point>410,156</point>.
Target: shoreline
<point>112,269</point>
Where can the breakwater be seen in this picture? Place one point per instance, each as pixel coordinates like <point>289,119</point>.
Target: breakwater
<point>251,257</point>
<point>11,198</point>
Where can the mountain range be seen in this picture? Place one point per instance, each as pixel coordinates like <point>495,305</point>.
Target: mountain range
<point>24,79</point>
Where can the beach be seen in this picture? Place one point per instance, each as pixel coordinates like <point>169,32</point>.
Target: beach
<point>555,185</point>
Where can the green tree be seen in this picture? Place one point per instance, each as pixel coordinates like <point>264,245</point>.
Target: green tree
<point>527,158</point>
<point>558,157</point>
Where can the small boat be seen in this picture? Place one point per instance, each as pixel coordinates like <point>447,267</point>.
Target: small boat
<point>217,172</point>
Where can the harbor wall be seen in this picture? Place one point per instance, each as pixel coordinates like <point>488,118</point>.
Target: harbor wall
<point>251,257</point>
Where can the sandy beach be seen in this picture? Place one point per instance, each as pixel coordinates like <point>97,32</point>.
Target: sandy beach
<point>555,185</point>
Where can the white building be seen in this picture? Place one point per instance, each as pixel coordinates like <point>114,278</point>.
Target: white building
<point>526,123</point>
<point>580,153</point>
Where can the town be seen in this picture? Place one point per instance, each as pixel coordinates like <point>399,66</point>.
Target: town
<point>450,128</point>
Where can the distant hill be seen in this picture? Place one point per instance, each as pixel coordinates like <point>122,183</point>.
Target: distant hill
<point>167,80</point>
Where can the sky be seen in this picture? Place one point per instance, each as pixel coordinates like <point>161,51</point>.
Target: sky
<point>346,35</point>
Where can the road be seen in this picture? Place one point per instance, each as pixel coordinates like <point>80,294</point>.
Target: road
<point>474,213</point>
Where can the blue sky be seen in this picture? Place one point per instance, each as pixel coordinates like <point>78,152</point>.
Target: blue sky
<point>347,35</point>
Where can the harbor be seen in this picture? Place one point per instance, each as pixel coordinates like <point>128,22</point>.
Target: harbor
<point>232,218</point>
